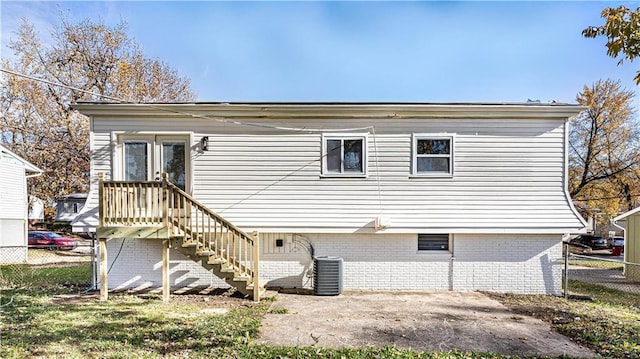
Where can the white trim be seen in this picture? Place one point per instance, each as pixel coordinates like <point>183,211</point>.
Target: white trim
<point>565,177</point>
<point>28,166</point>
<point>626,214</point>
<point>154,140</point>
<point>160,139</point>
<point>344,136</point>
<point>414,155</point>
<point>259,111</point>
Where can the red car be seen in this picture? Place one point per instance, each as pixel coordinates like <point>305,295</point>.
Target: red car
<point>50,240</point>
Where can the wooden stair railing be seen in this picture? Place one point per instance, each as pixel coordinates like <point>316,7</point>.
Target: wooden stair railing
<point>161,204</point>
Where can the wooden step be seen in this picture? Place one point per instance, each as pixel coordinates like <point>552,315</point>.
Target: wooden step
<point>215,260</point>
<point>205,252</point>
<point>242,278</point>
<point>228,269</point>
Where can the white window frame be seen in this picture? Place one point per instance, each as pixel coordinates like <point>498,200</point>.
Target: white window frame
<point>432,136</point>
<point>344,136</point>
<point>154,141</point>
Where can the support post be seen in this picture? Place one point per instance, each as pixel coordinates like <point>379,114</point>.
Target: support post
<point>104,277</point>
<point>165,270</point>
<point>256,266</point>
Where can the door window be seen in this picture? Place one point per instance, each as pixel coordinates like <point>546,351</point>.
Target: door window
<point>146,157</point>
<point>136,161</point>
<point>174,162</point>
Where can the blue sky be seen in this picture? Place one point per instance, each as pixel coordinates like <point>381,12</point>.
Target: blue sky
<point>360,51</point>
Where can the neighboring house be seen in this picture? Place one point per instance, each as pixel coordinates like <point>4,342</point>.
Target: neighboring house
<point>68,207</point>
<point>423,197</point>
<point>631,225</point>
<point>14,205</point>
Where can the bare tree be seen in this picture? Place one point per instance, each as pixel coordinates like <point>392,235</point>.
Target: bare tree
<point>36,119</point>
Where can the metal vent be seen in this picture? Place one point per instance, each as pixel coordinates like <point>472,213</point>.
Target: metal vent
<point>327,276</point>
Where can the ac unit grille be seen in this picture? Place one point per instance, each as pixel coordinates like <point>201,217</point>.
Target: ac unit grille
<point>327,276</point>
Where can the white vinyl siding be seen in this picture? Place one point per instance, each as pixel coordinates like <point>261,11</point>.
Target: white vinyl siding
<point>508,175</point>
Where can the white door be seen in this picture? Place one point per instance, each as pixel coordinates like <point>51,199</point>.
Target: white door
<point>146,157</point>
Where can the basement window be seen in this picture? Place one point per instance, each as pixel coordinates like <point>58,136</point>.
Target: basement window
<point>433,242</point>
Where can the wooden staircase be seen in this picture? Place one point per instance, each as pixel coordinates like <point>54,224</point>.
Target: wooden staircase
<point>159,209</point>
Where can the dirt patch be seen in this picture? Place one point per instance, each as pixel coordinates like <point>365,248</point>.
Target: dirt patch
<point>419,321</point>
<point>201,298</point>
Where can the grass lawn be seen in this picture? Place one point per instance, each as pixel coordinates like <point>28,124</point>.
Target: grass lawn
<point>610,324</point>
<point>51,321</point>
<point>595,263</point>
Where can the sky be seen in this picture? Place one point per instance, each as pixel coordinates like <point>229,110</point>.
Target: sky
<point>359,51</point>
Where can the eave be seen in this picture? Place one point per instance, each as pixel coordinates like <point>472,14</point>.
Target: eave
<point>333,110</point>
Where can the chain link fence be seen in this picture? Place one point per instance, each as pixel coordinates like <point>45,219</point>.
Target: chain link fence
<point>50,267</point>
<point>606,268</point>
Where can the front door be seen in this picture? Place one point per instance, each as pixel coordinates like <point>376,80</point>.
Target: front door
<point>146,157</point>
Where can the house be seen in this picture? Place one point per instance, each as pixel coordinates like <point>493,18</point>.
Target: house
<point>68,207</point>
<point>411,196</point>
<point>631,227</point>
<point>14,172</point>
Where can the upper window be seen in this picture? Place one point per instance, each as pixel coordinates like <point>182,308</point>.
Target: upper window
<point>432,155</point>
<point>344,155</point>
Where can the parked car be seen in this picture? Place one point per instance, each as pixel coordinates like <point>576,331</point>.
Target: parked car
<point>612,240</point>
<point>51,240</point>
<point>593,242</point>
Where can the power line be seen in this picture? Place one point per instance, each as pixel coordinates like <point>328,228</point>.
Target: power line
<point>223,120</point>
<point>60,85</point>
<point>164,109</point>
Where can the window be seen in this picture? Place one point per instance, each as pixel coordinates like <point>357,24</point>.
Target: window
<point>432,155</point>
<point>344,155</point>
<point>433,242</point>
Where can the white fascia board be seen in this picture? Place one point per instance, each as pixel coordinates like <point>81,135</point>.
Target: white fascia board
<point>626,214</point>
<point>371,230</point>
<point>337,110</point>
<point>28,166</point>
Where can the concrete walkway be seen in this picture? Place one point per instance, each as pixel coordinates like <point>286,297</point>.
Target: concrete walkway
<point>439,321</point>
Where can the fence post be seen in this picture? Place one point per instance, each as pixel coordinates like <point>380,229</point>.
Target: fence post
<point>566,269</point>
<point>94,263</point>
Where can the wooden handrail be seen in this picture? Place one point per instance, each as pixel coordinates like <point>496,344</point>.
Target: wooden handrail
<point>163,204</point>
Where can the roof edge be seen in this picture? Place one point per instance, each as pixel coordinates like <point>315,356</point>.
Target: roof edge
<point>29,167</point>
<point>334,110</point>
<point>626,214</point>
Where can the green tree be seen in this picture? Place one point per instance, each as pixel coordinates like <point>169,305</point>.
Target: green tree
<point>36,118</point>
<point>622,30</point>
<point>604,150</point>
